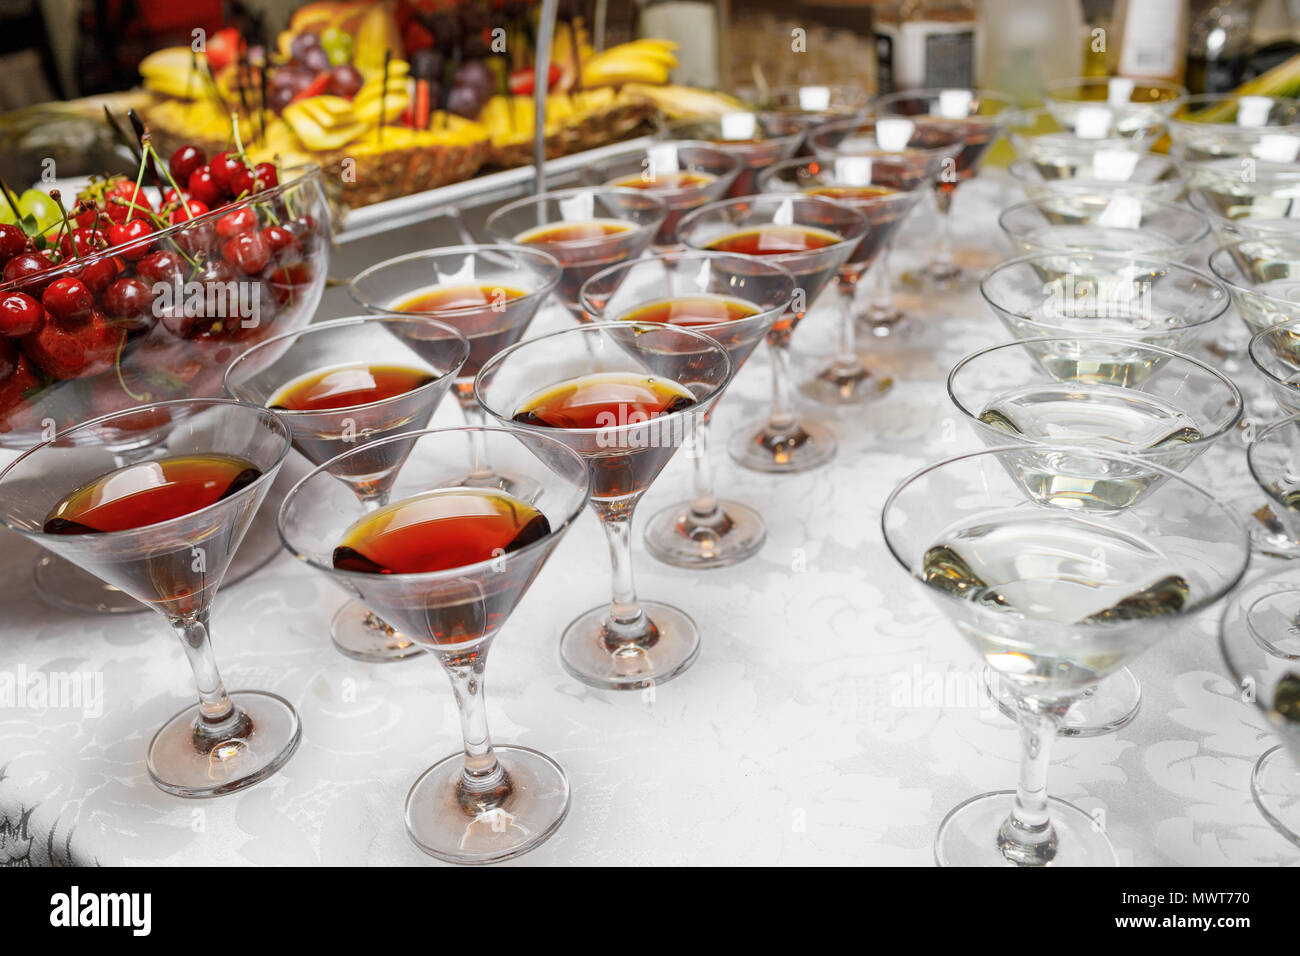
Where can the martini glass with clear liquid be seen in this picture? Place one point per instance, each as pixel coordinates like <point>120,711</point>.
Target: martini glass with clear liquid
<point>884,187</point>
<point>1231,126</point>
<point>490,293</point>
<point>829,142</point>
<point>685,175</point>
<point>586,229</point>
<point>1056,587</point>
<point>1093,393</point>
<point>1103,222</point>
<point>163,529</point>
<point>977,118</point>
<point>812,237</point>
<point>332,403</point>
<point>625,396</point>
<point>1263,276</point>
<point>448,563</point>
<point>736,300</point>
<point>1117,105</point>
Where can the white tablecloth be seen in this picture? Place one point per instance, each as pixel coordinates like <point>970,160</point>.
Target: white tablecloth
<point>809,731</point>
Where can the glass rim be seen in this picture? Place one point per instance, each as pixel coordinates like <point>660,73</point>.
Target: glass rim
<point>1168,265</point>
<point>729,145</point>
<point>1092,82</point>
<point>1161,205</point>
<point>1270,429</point>
<point>768,175</point>
<point>1205,100</point>
<point>1225,253</point>
<point>1165,473</point>
<point>1023,169</point>
<point>693,255</point>
<point>590,328</point>
<point>1010,103</point>
<point>267,473</point>
<point>351,320</point>
<point>414,437</point>
<point>756,199</point>
<point>1205,440</point>
<point>493,222</point>
<point>728,159</point>
<point>1290,325</point>
<point>551,278</point>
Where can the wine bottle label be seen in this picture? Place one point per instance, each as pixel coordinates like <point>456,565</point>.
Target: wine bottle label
<point>1150,41</point>
<point>925,54</point>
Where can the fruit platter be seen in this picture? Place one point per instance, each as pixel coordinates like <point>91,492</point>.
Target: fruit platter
<point>394,97</point>
<point>143,289</point>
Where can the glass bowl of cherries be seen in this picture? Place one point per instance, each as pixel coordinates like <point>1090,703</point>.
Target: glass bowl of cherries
<point>129,299</point>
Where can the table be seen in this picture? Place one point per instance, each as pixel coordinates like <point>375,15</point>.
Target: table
<point>832,717</point>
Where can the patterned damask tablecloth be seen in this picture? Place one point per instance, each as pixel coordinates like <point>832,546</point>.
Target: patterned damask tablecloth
<point>831,718</point>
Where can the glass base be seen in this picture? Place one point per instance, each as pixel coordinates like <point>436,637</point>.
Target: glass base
<point>256,746</point>
<point>1272,612</point>
<point>63,585</point>
<point>801,447</point>
<point>1267,535</point>
<point>1103,708</point>
<point>440,825</point>
<point>1275,785</point>
<point>880,320</point>
<point>586,656</point>
<point>847,384</point>
<point>359,634</point>
<point>677,536</point>
<point>969,834</point>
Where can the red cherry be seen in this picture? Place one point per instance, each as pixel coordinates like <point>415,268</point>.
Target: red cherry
<point>67,300</point>
<point>122,233</point>
<point>248,252</point>
<point>234,223</point>
<point>184,161</point>
<point>203,187</point>
<point>26,268</point>
<point>124,203</point>
<point>12,241</point>
<point>161,266</point>
<point>99,272</point>
<point>278,238</point>
<point>268,175</point>
<point>128,303</point>
<point>83,242</point>
<point>192,209</point>
<point>20,314</point>
<point>224,165</point>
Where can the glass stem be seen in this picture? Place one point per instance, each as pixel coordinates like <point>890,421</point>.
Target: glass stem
<point>942,264</point>
<point>882,292</point>
<point>1027,837</point>
<point>475,417</point>
<point>847,360</point>
<point>704,503</point>
<point>216,711</point>
<point>781,418</point>
<point>628,623</point>
<point>483,781</point>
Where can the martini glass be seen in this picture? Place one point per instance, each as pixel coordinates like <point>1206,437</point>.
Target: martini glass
<point>585,229</point>
<point>756,141</point>
<point>1266,208</point>
<point>812,237</point>
<point>864,137</point>
<point>490,293</point>
<point>1257,638</point>
<point>810,103</point>
<point>1275,353</point>
<point>487,803</point>
<point>1103,222</point>
<point>410,363</point>
<point>1128,107</point>
<point>1263,276</point>
<point>625,396</point>
<point>1229,126</point>
<point>736,300</point>
<point>1098,393</point>
<point>978,117</point>
<point>884,187</point>
<point>1273,518</point>
<point>1056,587</point>
<point>683,174</point>
<point>1139,298</point>
<point>227,741</point>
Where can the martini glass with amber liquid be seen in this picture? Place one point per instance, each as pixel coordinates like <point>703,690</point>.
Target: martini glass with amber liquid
<point>685,175</point>
<point>812,237</point>
<point>756,141</point>
<point>625,396</point>
<point>884,187</point>
<point>163,529</point>
<point>586,229</point>
<point>332,401</point>
<point>490,293</point>
<point>736,300</point>
<point>448,563</point>
<point>977,118</point>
